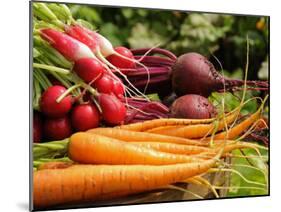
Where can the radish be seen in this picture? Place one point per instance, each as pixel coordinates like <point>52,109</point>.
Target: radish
<point>195,74</point>
<point>84,117</point>
<point>70,48</point>
<point>118,89</point>
<point>120,62</point>
<point>49,105</point>
<point>37,127</point>
<point>83,35</point>
<point>57,128</point>
<point>104,84</point>
<point>102,50</point>
<point>88,69</point>
<point>113,110</point>
<point>192,106</point>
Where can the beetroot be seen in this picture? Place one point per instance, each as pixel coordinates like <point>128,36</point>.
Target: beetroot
<point>194,74</point>
<point>49,105</point>
<point>113,110</point>
<point>192,106</point>
<point>85,116</point>
<point>57,128</point>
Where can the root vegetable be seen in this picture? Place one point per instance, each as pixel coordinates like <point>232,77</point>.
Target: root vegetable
<point>194,74</point>
<point>192,107</point>
<point>84,117</point>
<point>57,128</point>
<point>49,105</point>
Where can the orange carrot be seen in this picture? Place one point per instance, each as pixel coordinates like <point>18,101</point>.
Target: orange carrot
<point>173,148</point>
<point>197,130</point>
<point>55,165</point>
<point>150,124</point>
<point>164,128</point>
<point>195,150</point>
<point>230,146</point>
<point>146,125</point>
<point>239,128</point>
<point>82,183</point>
<point>96,149</point>
<point>129,136</point>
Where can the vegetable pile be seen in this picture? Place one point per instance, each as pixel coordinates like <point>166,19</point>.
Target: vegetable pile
<point>139,157</point>
<point>110,121</point>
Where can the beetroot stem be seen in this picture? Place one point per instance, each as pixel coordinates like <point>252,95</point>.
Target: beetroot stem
<point>154,51</point>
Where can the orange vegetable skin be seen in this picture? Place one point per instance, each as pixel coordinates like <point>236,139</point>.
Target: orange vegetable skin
<point>129,136</point>
<point>146,125</point>
<point>95,149</point>
<point>196,130</point>
<point>173,148</point>
<point>239,128</point>
<point>83,183</point>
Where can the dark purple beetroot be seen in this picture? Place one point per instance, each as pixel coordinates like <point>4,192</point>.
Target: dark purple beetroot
<point>192,106</point>
<point>195,74</point>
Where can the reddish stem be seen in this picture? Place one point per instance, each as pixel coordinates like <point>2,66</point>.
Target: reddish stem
<point>165,52</point>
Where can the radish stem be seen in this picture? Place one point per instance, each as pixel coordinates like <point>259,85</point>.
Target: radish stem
<point>51,68</point>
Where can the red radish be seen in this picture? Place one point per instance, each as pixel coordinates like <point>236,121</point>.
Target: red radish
<point>192,106</point>
<point>118,89</point>
<point>88,69</point>
<point>104,84</point>
<point>84,35</point>
<point>113,110</point>
<point>103,49</point>
<point>37,127</point>
<point>49,105</point>
<point>121,62</point>
<point>57,128</point>
<point>69,47</point>
<point>95,41</point>
<point>195,74</point>
<point>85,116</point>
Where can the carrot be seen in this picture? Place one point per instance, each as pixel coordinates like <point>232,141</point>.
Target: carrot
<point>96,149</point>
<point>84,183</point>
<point>163,128</point>
<point>55,165</point>
<point>195,150</point>
<point>239,128</point>
<point>146,125</point>
<point>150,124</point>
<point>173,148</point>
<point>129,136</point>
<point>197,130</point>
<point>230,146</point>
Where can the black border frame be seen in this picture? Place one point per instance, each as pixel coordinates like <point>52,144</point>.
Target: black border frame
<point>31,206</point>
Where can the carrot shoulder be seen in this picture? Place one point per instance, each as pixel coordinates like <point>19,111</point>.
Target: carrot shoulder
<point>96,149</point>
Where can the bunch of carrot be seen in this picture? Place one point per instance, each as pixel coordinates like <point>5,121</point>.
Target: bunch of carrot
<point>106,163</point>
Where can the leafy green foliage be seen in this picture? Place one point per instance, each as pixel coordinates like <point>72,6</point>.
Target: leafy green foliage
<point>257,175</point>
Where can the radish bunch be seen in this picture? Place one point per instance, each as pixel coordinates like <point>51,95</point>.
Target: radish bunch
<point>59,118</point>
